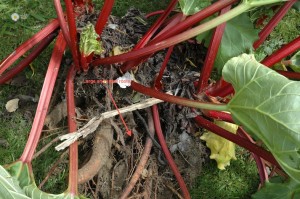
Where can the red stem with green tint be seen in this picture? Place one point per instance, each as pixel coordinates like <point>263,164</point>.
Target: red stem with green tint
<point>194,19</point>
<point>176,100</point>
<point>73,155</point>
<point>167,153</point>
<point>27,45</point>
<point>236,139</point>
<point>211,54</point>
<point>28,59</point>
<point>265,32</point>
<point>44,101</point>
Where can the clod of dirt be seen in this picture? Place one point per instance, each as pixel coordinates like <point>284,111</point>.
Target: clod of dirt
<point>58,113</point>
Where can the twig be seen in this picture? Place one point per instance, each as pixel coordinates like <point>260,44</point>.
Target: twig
<point>93,124</point>
<point>45,147</point>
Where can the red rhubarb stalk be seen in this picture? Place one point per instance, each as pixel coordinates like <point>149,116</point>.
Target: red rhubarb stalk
<point>27,45</point>
<point>218,115</point>
<point>265,32</point>
<point>62,21</point>
<point>73,33</point>
<point>211,54</point>
<point>103,16</point>
<point>286,50</point>
<point>167,153</point>
<point>45,97</point>
<point>73,155</point>
<point>289,74</point>
<point>151,14</point>
<point>177,100</point>
<point>27,60</point>
<point>157,83</point>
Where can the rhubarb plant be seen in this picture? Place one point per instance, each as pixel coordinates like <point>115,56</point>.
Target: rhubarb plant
<point>262,102</point>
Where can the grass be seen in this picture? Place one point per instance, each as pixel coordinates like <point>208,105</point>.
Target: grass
<point>238,181</point>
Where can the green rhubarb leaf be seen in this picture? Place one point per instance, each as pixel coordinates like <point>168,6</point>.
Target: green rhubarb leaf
<point>238,38</point>
<point>295,62</point>
<point>268,105</point>
<point>10,188</point>
<point>190,7</point>
<point>88,41</point>
<point>287,190</point>
<point>21,181</point>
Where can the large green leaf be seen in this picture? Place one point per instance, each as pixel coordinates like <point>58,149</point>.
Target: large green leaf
<point>287,190</point>
<point>190,7</point>
<point>20,183</point>
<point>268,105</point>
<point>9,188</point>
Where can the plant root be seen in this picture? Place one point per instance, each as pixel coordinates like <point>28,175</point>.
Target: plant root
<point>101,150</point>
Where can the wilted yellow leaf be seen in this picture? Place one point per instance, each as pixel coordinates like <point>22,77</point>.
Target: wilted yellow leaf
<point>221,149</point>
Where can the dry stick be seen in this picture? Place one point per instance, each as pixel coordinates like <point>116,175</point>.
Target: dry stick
<point>53,168</point>
<point>45,147</point>
<point>143,160</point>
<point>93,124</point>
